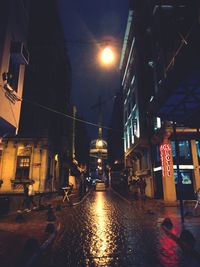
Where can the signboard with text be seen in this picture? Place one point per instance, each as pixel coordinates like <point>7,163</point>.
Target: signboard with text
<point>166,159</point>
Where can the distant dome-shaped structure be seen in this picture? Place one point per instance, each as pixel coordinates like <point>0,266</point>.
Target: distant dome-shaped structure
<point>98,148</point>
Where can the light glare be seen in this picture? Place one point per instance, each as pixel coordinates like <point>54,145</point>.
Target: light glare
<point>107,56</point>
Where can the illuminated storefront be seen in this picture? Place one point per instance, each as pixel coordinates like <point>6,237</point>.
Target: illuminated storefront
<point>166,169</point>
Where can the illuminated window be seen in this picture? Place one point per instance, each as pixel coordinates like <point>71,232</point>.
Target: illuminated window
<point>24,162</point>
<point>198,150</point>
<point>133,100</point>
<point>125,143</point>
<point>128,137</point>
<point>186,177</point>
<point>157,123</point>
<point>184,152</point>
<point>134,124</point>
<point>129,108</point>
<point>23,166</point>
<point>132,134</point>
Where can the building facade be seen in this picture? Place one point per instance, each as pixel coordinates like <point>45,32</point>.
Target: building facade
<point>160,112</point>
<point>28,159</point>
<point>136,93</point>
<point>175,38</point>
<point>46,104</point>
<point>13,59</point>
<point>48,84</point>
<point>165,163</point>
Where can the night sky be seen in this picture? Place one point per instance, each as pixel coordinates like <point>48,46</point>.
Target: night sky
<point>86,24</point>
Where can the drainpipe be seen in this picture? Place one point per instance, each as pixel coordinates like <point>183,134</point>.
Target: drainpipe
<point>40,167</point>
<point>178,172</point>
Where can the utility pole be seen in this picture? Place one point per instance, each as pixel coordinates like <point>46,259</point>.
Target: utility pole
<point>73,132</point>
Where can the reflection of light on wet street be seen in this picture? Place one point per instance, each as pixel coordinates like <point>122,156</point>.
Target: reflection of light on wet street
<point>100,243</point>
<point>168,250</point>
<point>106,231</point>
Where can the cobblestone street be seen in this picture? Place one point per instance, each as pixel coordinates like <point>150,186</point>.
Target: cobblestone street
<point>107,231</point>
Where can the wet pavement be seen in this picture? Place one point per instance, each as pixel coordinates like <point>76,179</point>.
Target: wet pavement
<point>104,230</point>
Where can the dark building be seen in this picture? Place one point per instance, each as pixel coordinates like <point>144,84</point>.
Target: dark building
<point>47,85</point>
<point>160,79</point>
<point>13,59</point>
<point>115,134</point>
<point>175,32</point>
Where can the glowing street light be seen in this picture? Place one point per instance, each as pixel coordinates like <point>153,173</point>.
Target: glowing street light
<point>99,160</point>
<point>107,56</point>
<point>99,143</point>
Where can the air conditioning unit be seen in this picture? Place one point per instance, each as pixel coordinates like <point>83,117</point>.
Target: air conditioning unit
<point>19,53</point>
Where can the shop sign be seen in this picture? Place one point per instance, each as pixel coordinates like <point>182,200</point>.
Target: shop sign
<point>24,151</point>
<point>165,156</point>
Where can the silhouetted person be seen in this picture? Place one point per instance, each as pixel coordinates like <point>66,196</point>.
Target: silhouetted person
<point>31,194</point>
<point>142,186</point>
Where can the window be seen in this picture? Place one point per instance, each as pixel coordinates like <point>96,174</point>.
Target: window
<point>157,123</point>
<point>157,154</point>
<point>125,139</point>
<point>133,100</point>
<point>186,177</point>
<point>129,108</point>
<point>198,150</point>
<point>14,72</point>
<point>134,124</point>
<point>184,152</point>
<point>125,116</point>
<point>130,136</point>
<point>23,165</point>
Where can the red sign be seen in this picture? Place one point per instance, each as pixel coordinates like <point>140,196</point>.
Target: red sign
<point>37,164</point>
<point>165,156</point>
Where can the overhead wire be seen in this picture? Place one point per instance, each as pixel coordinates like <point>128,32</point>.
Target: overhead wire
<point>64,114</point>
<point>184,41</point>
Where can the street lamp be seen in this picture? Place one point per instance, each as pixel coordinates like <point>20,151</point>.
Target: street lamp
<point>107,56</point>
<point>99,160</point>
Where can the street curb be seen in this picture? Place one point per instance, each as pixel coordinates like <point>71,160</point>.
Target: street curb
<point>119,195</point>
<point>83,199</point>
<point>43,247</point>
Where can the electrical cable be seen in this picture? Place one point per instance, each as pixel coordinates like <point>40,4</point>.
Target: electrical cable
<point>184,41</point>
<point>64,114</point>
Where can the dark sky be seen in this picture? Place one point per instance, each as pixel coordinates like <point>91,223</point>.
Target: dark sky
<point>87,23</point>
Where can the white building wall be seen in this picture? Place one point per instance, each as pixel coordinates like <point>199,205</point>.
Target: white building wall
<point>15,30</point>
